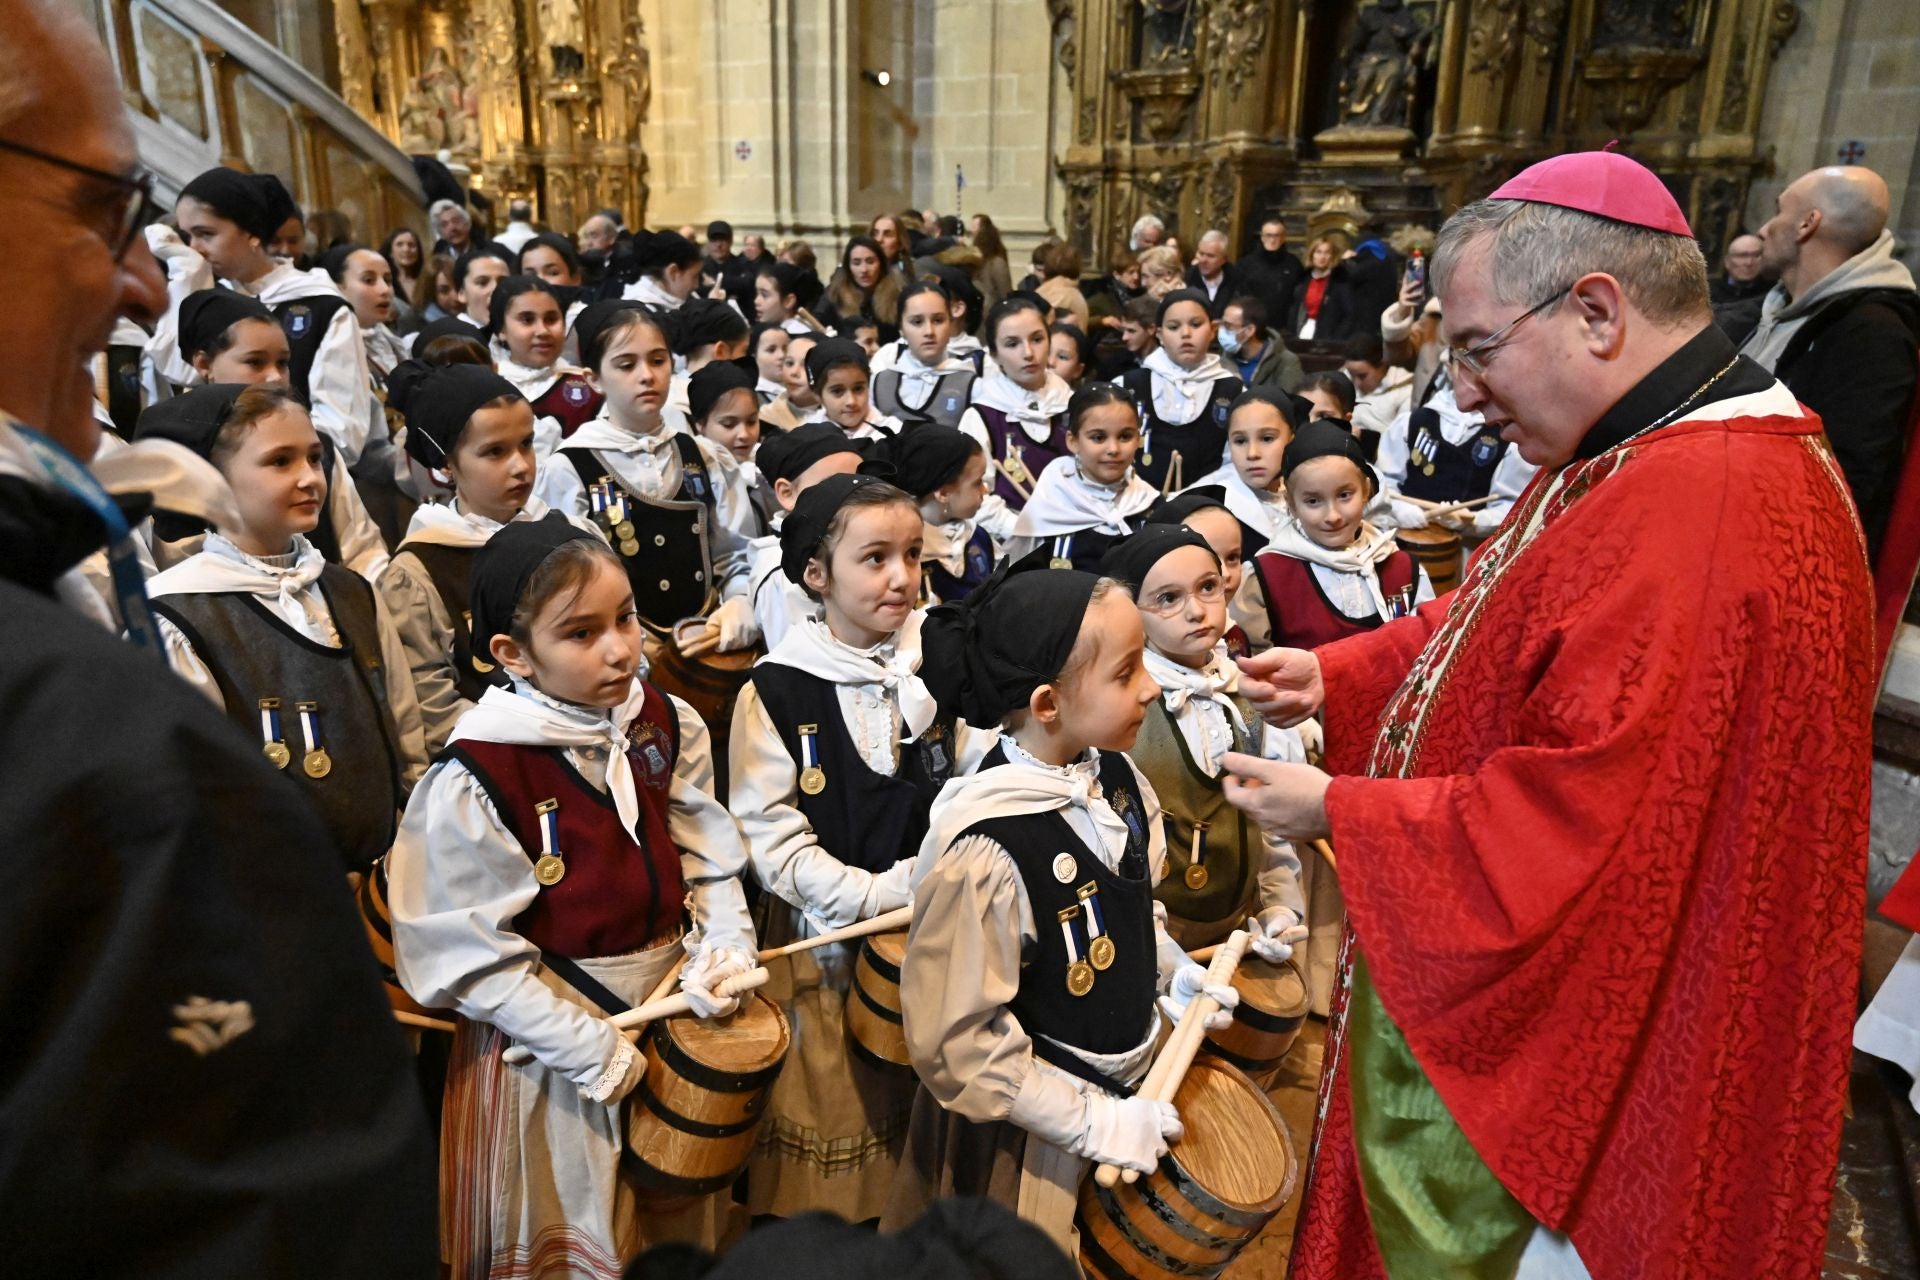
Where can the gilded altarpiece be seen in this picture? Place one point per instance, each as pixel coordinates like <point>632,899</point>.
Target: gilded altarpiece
<point>1219,113</point>
<point>537,98</point>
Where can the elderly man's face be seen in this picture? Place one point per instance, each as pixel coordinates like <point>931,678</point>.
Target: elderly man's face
<point>64,287</point>
<point>454,227</point>
<point>1150,235</point>
<point>1743,258</point>
<point>1273,236</point>
<point>596,235</point>
<point>1536,388</point>
<point>1210,256</point>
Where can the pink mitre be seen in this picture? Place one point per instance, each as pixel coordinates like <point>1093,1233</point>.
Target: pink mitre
<point>1604,183</point>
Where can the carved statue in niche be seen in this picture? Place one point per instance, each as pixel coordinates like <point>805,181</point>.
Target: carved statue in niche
<point>1166,32</point>
<point>633,72</point>
<point>439,112</point>
<point>1381,63</point>
<point>565,34</point>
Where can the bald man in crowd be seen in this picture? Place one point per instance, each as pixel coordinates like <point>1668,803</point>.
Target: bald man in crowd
<point>1841,327</point>
<point>1739,276</point>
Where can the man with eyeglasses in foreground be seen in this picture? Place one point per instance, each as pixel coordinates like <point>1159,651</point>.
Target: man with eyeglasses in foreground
<point>202,1076</point>
<point>1600,815</point>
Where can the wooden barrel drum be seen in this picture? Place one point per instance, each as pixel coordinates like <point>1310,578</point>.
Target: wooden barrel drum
<point>709,684</point>
<point>1226,1178</point>
<point>874,1027</point>
<point>1438,551</point>
<point>691,1122</point>
<point>1273,1004</point>
<point>378,919</point>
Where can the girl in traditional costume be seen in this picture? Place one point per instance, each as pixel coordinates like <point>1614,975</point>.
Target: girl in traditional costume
<point>1184,391</point>
<point>1088,500</point>
<point>528,322</point>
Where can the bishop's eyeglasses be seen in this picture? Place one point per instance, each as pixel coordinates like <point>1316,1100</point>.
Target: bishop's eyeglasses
<point>135,207</point>
<point>1476,358</point>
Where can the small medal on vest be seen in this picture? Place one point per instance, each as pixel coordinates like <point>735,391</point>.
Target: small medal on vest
<point>1079,972</point>
<point>549,869</point>
<point>1062,552</point>
<point>1196,876</point>
<point>316,762</point>
<point>813,779</point>
<point>1100,949</point>
<point>272,741</point>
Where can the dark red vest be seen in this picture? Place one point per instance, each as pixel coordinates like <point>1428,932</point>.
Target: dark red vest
<point>618,893</point>
<point>1301,615</point>
<point>571,401</point>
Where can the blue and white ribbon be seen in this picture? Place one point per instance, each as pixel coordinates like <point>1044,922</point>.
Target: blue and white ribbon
<point>549,811</point>
<point>309,724</point>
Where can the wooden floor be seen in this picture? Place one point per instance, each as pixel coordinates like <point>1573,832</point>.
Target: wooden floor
<point>1874,1233</point>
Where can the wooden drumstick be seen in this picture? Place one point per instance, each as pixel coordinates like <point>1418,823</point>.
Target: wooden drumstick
<point>1454,508</point>
<point>884,923</point>
<point>406,1019</point>
<point>519,1053</point>
<point>1325,851</point>
<point>1170,1068</point>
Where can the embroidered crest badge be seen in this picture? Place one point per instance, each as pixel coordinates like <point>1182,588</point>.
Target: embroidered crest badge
<point>575,392</point>
<point>299,319</point>
<point>647,744</point>
<point>1484,449</point>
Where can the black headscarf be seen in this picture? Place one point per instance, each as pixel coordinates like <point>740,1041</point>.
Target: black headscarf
<point>449,327</point>
<point>806,525</point>
<point>831,353</point>
<point>257,203</point>
<point>1132,558</point>
<point>1178,507</point>
<point>594,317</point>
<point>502,568</point>
<point>334,260</point>
<point>985,655</point>
<point>711,382</point>
<point>1295,409</point>
<point>789,455</point>
<point>205,314</point>
<point>1326,439</point>
<point>1180,295</point>
<point>193,418</point>
<point>704,321</point>
<point>437,403</point>
<point>925,457</point>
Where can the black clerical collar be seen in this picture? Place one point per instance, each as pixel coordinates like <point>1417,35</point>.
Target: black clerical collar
<point>1676,381</point>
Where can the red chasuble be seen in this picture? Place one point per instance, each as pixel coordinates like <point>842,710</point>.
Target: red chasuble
<point>1605,867</point>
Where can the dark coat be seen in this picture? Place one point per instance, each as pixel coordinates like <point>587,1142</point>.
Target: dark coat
<point>1338,320</point>
<point>1855,363</point>
<point>1272,278</point>
<point>1232,285</point>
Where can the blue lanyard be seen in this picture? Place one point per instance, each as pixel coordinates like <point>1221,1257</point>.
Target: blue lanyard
<point>129,583</point>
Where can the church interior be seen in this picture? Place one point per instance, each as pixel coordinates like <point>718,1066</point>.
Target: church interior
<point>1071,124</point>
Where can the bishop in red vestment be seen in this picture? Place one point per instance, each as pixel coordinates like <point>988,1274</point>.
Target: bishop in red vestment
<point>1601,813</point>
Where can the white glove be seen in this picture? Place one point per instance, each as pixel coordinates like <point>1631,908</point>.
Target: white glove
<point>622,1075</point>
<point>734,620</point>
<point>1275,933</point>
<point>707,971</point>
<point>1458,521</point>
<point>1189,981</point>
<point>1313,738</point>
<point>890,889</point>
<point>1408,516</point>
<point>165,243</point>
<point>1130,1133</point>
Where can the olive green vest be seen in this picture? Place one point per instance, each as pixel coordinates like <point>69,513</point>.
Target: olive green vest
<point>1234,851</point>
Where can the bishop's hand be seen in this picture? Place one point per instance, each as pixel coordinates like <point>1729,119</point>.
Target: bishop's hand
<point>1290,799</point>
<point>1283,685</point>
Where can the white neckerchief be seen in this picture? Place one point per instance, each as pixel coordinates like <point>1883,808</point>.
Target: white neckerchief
<point>287,282</point>
<point>1034,411</point>
<point>946,544</point>
<point>1019,787</point>
<point>221,568</point>
<point>650,291</point>
<point>1362,556</point>
<point>892,664</point>
<point>603,434</point>
<point>1065,501</point>
<point>447,525</point>
<point>526,717</point>
<point>1215,682</point>
<point>872,429</point>
<point>769,389</point>
<point>1264,513</point>
<point>529,381</point>
<point>917,380</point>
<point>1180,395</point>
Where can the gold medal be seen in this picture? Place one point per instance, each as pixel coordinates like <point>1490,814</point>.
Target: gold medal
<point>813,780</point>
<point>318,763</point>
<point>1196,877</point>
<point>624,531</point>
<point>277,752</point>
<point>1079,978</point>
<point>1060,562</point>
<point>629,548</point>
<point>1100,952</point>
<point>549,870</point>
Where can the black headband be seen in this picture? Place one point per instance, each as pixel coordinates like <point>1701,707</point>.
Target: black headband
<point>596,316</point>
<point>205,314</point>
<point>503,567</point>
<point>1326,439</point>
<point>1179,295</point>
<point>437,404</point>
<point>790,455</point>
<point>193,418</point>
<point>985,655</point>
<point>926,457</point>
<point>257,203</point>
<point>710,383</point>
<point>703,321</point>
<point>805,527</point>
<point>831,353</point>
<point>1132,558</point>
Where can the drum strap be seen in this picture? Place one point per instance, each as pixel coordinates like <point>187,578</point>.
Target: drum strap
<point>585,983</point>
<point>1074,1065</point>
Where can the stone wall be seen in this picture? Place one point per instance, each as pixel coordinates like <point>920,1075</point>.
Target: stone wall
<point>1849,73</point>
